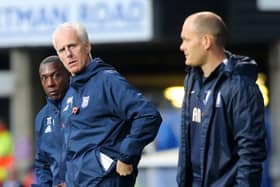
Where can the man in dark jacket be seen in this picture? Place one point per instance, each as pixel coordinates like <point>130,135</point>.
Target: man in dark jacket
<point>222,130</point>
<point>107,121</point>
<point>49,161</point>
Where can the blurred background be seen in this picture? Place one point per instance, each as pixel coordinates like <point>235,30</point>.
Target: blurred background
<point>141,38</point>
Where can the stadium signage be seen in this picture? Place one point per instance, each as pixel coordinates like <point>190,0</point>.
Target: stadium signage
<point>31,23</point>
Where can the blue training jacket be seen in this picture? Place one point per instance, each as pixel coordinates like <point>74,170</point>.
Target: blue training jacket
<point>103,113</point>
<point>232,139</point>
<point>49,162</point>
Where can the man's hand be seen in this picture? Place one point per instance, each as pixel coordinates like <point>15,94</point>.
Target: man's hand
<point>61,185</point>
<point>124,169</point>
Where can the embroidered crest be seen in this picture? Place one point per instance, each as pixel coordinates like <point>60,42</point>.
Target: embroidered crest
<point>85,101</point>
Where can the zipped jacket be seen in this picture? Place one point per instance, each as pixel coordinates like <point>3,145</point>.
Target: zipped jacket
<point>232,138</point>
<point>49,162</point>
<point>105,118</point>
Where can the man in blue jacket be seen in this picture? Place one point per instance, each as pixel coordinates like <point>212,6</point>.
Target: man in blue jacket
<point>49,161</point>
<point>107,121</point>
<point>222,130</point>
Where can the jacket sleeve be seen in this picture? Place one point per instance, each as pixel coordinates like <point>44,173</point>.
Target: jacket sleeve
<point>41,164</point>
<point>249,133</point>
<point>139,113</point>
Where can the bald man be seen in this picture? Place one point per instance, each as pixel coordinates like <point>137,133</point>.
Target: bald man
<point>223,139</point>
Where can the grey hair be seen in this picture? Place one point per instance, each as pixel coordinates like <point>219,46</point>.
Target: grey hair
<point>77,27</point>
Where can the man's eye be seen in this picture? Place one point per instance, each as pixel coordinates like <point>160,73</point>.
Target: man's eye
<point>61,50</point>
<point>55,75</point>
<point>44,78</point>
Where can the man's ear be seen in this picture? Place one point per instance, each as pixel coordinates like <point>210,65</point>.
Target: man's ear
<point>207,41</point>
<point>88,47</point>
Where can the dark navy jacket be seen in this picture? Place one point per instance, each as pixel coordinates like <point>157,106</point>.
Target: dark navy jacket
<point>233,135</point>
<point>103,113</point>
<point>49,162</point>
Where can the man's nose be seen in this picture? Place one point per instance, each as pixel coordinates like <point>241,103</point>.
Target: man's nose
<point>68,52</point>
<point>50,82</point>
<point>182,47</point>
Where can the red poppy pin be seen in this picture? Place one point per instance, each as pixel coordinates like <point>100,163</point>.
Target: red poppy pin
<point>75,110</point>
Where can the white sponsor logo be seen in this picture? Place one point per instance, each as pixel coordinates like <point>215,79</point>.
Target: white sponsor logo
<point>49,124</point>
<point>208,93</point>
<point>196,115</point>
<point>69,103</point>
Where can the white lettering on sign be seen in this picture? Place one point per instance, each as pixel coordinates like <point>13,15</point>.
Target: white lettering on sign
<point>32,22</point>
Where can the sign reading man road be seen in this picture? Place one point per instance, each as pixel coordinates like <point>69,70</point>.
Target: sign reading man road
<point>30,22</point>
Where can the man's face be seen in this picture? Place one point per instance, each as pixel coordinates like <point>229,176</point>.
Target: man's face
<point>54,80</point>
<point>192,45</point>
<point>73,53</point>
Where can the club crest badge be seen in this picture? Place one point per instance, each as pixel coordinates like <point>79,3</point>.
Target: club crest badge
<point>85,101</point>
